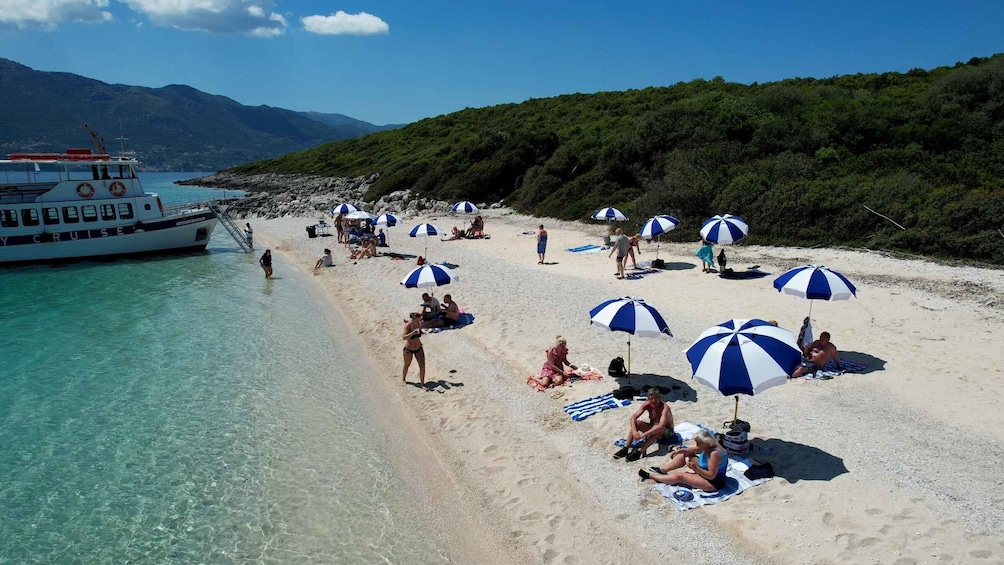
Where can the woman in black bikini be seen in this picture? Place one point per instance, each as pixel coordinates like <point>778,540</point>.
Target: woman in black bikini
<point>413,347</point>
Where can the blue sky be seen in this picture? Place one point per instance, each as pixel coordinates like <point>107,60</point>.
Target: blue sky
<point>396,61</point>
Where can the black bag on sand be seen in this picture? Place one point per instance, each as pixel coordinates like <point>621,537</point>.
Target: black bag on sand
<point>759,471</point>
<point>658,264</point>
<point>738,425</point>
<point>617,369</point>
<point>625,393</point>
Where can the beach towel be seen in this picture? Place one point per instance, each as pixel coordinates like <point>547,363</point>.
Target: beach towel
<point>685,498</point>
<point>685,431</point>
<point>743,275</point>
<point>528,232</point>
<point>641,273</point>
<point>585,408</point>
<point>585,249</point>
<point>830,370</point>
<point>465,319</point>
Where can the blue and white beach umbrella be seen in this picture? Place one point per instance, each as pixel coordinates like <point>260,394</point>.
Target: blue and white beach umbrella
<point>657,226</point>
<point>428,276</point>
<point>724,229</point>
<point>744,356</point>
<point>426,231</point>
<point>465,207</point>
<point>389,220</point>
<point>344,209</point>
<point>609,214</point>
<point>631,315</point>
<point>815,283</point>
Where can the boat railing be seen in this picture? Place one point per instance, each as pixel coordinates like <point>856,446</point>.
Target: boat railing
<point>179,208</point>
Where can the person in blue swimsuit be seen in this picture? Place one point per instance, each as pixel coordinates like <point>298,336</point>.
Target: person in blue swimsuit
<point>707,461</point>
<point>541,243</point>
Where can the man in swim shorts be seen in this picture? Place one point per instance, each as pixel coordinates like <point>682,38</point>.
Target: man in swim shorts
<point>450,314</point>
<point>816,354</point>
<point>660,422</point>
<point>621,245</point>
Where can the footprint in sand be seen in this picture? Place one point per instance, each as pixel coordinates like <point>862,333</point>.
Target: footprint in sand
<point>828,518</point>
<point>873,511</point>
<point>531,517</point>
<point>981,554</point>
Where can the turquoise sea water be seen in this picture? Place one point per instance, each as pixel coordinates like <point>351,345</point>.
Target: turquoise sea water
<point>184,410</point>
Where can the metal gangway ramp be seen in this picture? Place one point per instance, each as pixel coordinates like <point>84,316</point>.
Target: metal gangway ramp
<point>228,223</point>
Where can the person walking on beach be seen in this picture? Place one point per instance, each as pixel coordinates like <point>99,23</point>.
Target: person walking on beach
<point>340,228</point>
<point>249,235</point>
<point>413,347</point>
<point>266,263</point>
<point>621,246</point>
<point>541,243</point>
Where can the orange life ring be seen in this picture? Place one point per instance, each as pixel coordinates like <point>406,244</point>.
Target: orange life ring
<point>117,188</point>
<point>85,190</point>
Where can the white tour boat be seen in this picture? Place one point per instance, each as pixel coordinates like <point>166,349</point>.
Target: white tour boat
<point>81,204</point>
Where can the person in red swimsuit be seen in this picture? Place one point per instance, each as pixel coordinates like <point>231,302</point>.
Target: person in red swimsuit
<point>660,422</point>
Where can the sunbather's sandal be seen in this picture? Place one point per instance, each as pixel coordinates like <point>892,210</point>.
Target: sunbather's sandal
<point>634,455</point>
<point>621,453</point>
<point>655,469</point>
<point>645,475</point>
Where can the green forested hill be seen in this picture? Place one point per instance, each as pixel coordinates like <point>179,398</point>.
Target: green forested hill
<point>799,159</point>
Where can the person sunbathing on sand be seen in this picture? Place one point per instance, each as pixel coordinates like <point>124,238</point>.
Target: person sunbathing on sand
<point>457,234</point>
<point>816,354</point>
<point>707,462</point>
<point>660,422</point>
<point>553,373</point>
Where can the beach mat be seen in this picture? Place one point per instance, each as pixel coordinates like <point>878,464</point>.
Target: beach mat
<point>585,249</point>
<point>585,408</point>
<point>685,498</point>
<point>684,431</point>
<point>577,375</point>
<point>641,273</point>
<point>831,370</point>
<point>744,275</point>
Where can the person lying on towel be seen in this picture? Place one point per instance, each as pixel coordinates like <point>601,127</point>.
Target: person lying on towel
<point>816,354</point>
<point>660,422</point>
<point>707,463</point>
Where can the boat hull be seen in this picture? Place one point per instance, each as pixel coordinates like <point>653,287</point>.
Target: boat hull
<point>187,232</point>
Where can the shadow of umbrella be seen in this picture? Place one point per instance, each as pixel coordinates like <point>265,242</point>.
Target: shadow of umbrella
<point>797,462</point>
<point>672,389</point>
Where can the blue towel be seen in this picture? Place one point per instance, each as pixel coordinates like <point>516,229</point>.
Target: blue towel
<point>585,408</point>
<point>672,440</point>
<point>583,248</point>
<point>830,370</point>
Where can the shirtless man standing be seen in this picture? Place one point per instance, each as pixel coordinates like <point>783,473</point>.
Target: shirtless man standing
<point>413,347</point>
<point>816,354</point>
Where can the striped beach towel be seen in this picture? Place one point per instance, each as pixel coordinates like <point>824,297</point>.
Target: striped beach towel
<point>831,370</point>
<point>585,408</point>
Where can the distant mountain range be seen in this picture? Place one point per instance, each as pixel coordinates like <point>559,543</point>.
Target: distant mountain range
<point>172,128</point>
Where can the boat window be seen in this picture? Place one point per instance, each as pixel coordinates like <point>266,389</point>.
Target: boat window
<point>29,217</point>
<point>50,216</point>
<point>8,218</point>
<point>89,213</point>
<point>108,212</point>
<point>146,207</point>
<point>125,210</point>
<point>70,215</point>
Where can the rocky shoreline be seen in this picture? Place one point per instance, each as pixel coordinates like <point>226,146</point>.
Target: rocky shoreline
<point>272,195</point>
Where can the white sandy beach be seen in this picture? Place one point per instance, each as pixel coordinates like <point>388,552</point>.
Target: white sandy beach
<point>899,464</point>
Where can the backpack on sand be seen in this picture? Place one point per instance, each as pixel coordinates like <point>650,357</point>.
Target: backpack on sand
<point>617,368</point>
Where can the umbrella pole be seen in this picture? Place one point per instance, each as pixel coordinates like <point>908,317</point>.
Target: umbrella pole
<point>735,417</point>
<point>629,355</point>
<point>810,309</point>
<point>657,242</point>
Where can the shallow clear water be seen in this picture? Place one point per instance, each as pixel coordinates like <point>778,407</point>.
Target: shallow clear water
<point>184,410</point>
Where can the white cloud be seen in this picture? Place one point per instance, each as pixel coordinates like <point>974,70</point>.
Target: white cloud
<point>341,23</point>
<point>47,14</point>
<point>251,17</point>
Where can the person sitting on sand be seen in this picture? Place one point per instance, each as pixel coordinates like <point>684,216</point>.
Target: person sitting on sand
<point>325,260</point>
<point>457,234</point>
<point>365,250</point>
<point>413,347</point>
<point>816,354</point>
<point>477,228</point>
<point>430,307</point>
<point>707,462</point>
<point>553,372</point>
<point>449,314</point>
<point>381,239</point>
<point>660,422</point>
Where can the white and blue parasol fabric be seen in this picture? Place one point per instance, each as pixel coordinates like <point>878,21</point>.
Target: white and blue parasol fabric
<point>344,209</point>
<point>389,220</point>
<point>724,229</point>
<point>744,357</point>
<point>631,315</point>
<point>609,214</point>
<point>428,276</point>
<point>815,283</point>
<point>465,207</point>
<point>658,226</point>
<point>425,230</point>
